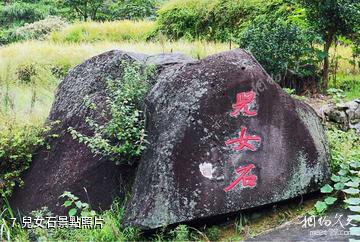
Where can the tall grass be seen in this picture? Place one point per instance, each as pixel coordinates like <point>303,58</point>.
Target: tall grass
<point>9,229</point>
<point>29,97</point>
<point>112,229</point>
<point>115,31</point>
<point>52,60</point>
<point>344,54</point>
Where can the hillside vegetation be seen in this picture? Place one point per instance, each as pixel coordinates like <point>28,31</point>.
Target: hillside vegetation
<point>115,31</point>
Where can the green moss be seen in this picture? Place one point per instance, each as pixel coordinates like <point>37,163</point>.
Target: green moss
<point>302,175</point>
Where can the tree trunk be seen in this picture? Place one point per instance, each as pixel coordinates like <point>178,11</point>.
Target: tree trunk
<point>325,77</point>
<point>336,64</point>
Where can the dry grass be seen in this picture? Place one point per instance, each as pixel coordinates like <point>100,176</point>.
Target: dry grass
<point>114,31</point>
<point>16,98</point>
<point>345,53</point>
<point>47,55</point>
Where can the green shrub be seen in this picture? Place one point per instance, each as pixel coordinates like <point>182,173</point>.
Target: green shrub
<point>210,20</point>
<point>281,48</point>
<point>17,145</point>
<point>122,138</point>
<point>18,13</point>
<point>60,70</point>
<point>134,10</point>
<point>105,31</point>
<point>180,233</point>
<point>39,29</point>
<point>213,233</point>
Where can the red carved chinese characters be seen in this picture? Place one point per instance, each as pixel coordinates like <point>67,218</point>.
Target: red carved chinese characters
<point>242,105</point>
<point>243,100</point>
<point>243,141</point>
<point>247,179</point>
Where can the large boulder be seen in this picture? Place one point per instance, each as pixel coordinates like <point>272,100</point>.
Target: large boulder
<point>69,165</point>
<point>223,137</point>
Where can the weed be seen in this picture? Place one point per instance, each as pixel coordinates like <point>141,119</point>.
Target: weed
<point>76,206</point>
<point>122,137</point>
<point>240,223</point>
<point>181,233</point>
<point>344,186</point>
<point>17,144</point>
<point>213,233</point>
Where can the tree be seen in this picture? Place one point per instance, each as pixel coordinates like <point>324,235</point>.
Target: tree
<point>332,19</point>
<point>283,49</point>
<point>134,9</point>
<point>84,9</point>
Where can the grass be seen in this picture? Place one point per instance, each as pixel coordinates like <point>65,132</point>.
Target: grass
<point>251,224</point>
<point>345,54</point>
<point>348,77</point>
<point>256,223</point>
<point>10,231</point>
<point>49,61</point>
<point>52,60</point>
<point>349,84</point>
<point>112,229</point>
<point>115,31</point>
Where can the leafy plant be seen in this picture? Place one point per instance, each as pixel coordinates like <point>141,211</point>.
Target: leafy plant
<point>17,145</point>
<point>181,233</point>
<point>17,13</point>
<point>213,233</point>
<point>82,9</point>
<point>337,94</point>
<point>122,137</point>
<point>289,91</point>
<point>112,230</point>
<point>344,147</point>
<point>76,206</point>
<point>344,186</point>
<point>26,73</point>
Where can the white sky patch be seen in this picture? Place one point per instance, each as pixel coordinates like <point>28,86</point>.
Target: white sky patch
<point>207,170</point>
